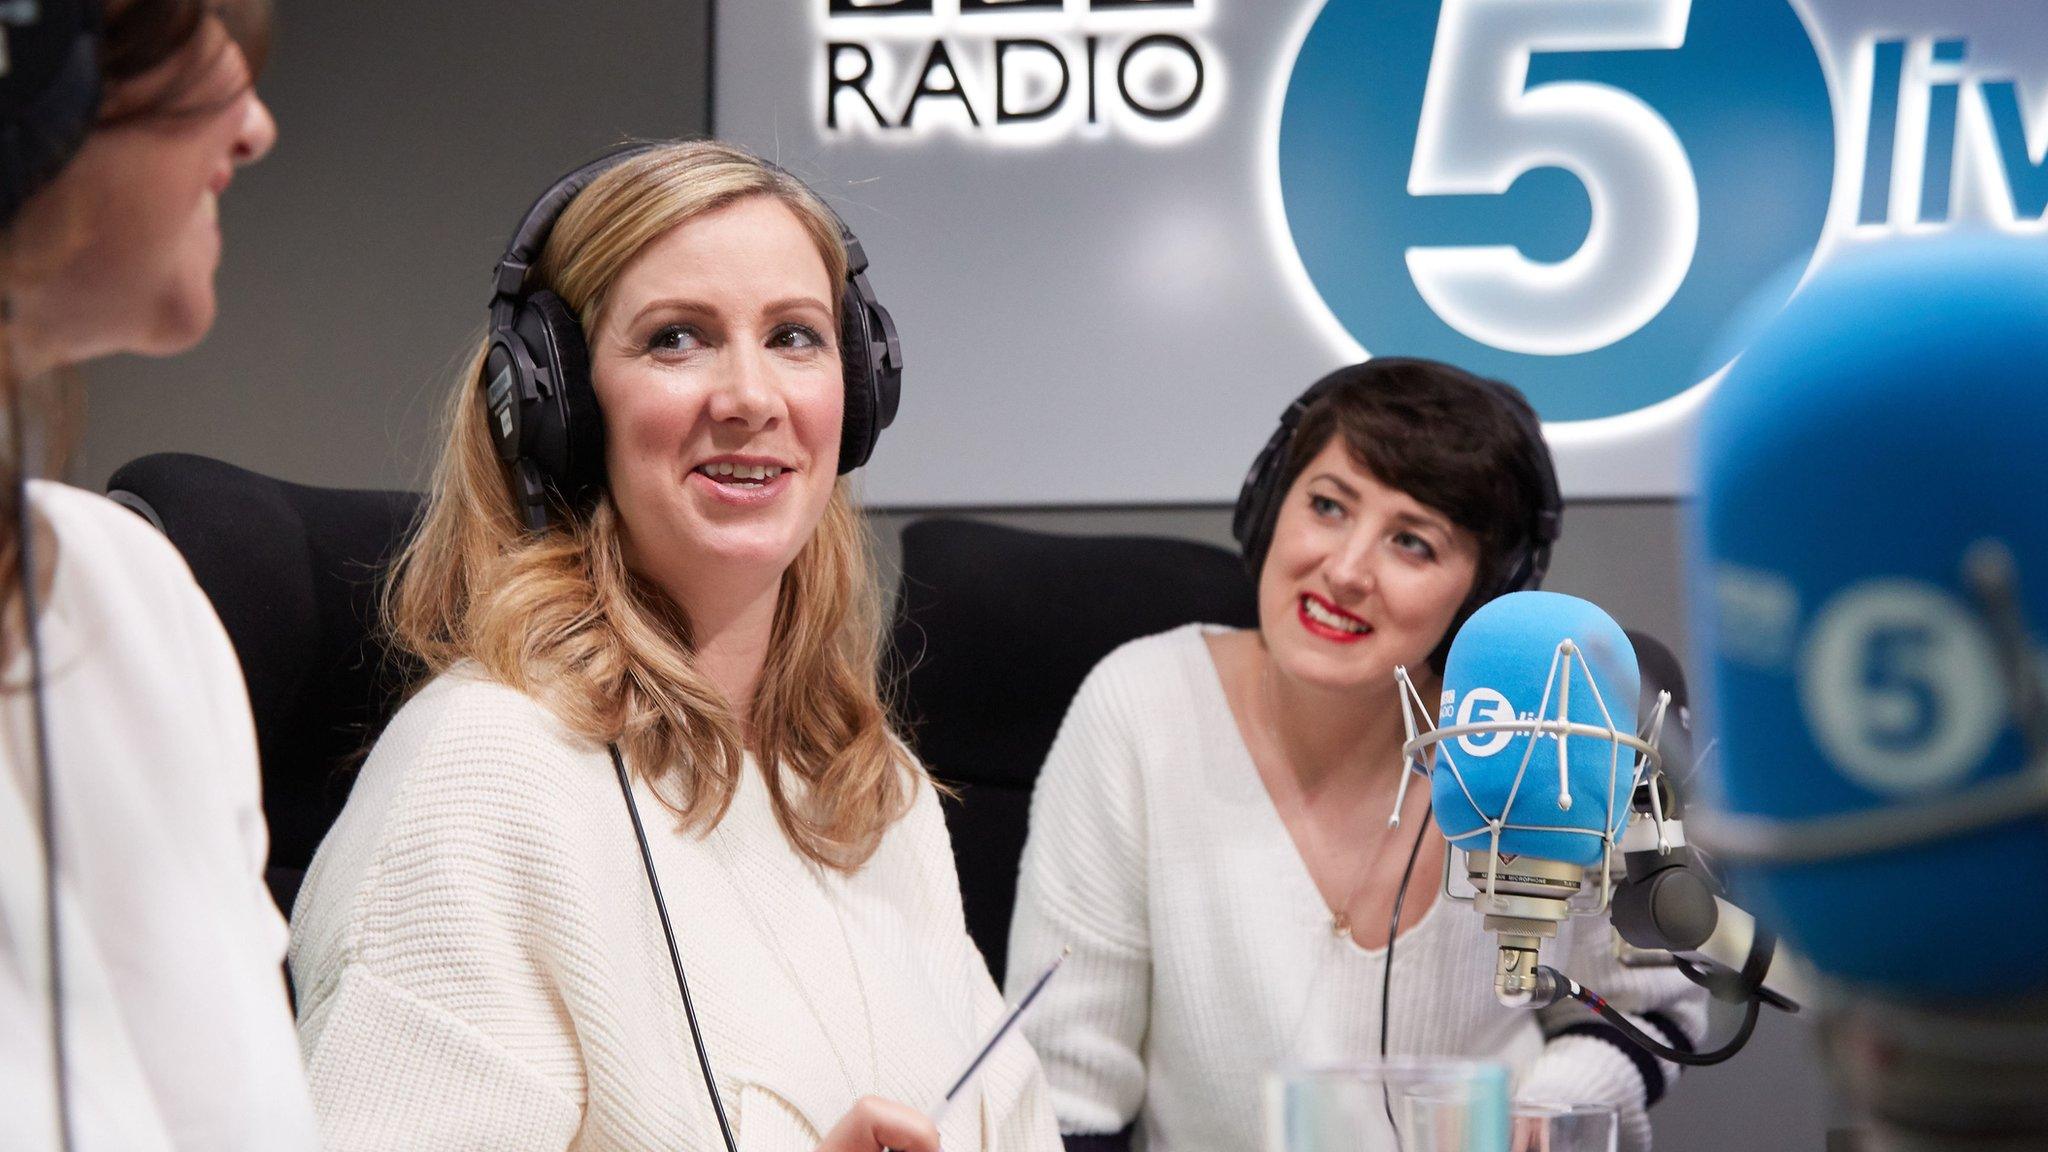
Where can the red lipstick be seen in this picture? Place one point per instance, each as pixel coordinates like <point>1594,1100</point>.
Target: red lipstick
<point>1318,621</point>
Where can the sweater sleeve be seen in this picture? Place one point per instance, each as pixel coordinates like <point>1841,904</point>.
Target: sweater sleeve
<point>434,931</point>
<point>1586,1060</point>
<point>393,1070</point>
<point>1083,885</point>
<point>1011,1085</point>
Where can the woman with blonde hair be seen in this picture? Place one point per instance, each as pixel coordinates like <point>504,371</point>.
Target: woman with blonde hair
<point>641,585</point>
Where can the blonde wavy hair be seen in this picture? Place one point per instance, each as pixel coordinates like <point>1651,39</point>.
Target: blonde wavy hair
<point>559,615</point>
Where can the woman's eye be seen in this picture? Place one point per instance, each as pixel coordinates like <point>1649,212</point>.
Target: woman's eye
<point>1414,545</point>
<point>795,336</point>
<point>675,338</point>
<point>1325,507</point>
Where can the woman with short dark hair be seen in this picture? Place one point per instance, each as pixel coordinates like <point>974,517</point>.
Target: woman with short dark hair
<point>1210,832</point>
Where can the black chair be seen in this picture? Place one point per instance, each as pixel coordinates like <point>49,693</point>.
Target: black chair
<point>295,575</point>
<point>995,629</point>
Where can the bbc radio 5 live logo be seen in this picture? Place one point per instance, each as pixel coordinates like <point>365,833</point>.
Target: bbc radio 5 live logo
<point>1482,706</point>
<point>1574,195</point>
<point>1578,195</point>
<point>1017,71</point>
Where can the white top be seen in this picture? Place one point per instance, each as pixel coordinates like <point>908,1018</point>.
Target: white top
<point>480,964</point>
<point>179,1033</point>
<point>1203,953</point>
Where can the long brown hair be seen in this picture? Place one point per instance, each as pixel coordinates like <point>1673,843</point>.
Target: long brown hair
<point>559,615</point>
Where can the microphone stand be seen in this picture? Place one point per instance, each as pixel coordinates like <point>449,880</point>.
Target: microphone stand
<point>1666,903</point>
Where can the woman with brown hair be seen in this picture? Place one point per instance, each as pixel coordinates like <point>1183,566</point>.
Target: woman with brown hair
<point>140,1004</point>
<point>681,609</point>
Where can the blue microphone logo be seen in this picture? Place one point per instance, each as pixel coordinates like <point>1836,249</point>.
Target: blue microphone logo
<point>1571,195</point>
<point>1484,706</point>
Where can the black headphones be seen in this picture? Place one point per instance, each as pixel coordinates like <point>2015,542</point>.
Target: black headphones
<point>1265,487</point>
<point>543,412</point>
<point>49,92</point>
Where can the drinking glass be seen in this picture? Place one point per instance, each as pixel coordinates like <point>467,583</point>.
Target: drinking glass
<point>1402,1105</point>
<point>1542,1127</point>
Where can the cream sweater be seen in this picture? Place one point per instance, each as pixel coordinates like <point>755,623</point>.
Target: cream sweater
<point>480,965</point>
<point>179,1033</point>
<point>1203,956</point>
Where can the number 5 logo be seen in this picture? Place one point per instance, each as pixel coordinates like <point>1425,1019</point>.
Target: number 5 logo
<point>1900,686</point>
<point>1481,129</point>
<point>1572,195</point>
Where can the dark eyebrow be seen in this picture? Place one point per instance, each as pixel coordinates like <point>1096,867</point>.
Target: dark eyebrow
<point>1349,492</point>
<point>1423,520</point>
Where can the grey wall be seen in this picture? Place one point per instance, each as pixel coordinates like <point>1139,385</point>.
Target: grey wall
<point>358,257</point>
<point>413,135</point>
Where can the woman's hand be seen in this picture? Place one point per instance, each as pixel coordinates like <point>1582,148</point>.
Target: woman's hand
<point>873,1124</point>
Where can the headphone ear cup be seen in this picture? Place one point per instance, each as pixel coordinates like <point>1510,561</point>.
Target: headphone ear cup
<point>49,96</point>
<point>567,437</point>
<point>1252,521</point>
<point>857,427</point>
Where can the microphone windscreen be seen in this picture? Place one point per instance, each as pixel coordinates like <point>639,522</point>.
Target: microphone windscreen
<point>1890,419</point>
<point>1500,668</point>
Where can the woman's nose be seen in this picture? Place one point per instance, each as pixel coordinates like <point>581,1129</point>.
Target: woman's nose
<point>258,132</point>
<point>745,391</point>
<point>1351,569</point>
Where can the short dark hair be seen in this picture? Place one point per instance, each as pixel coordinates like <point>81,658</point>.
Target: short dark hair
<point>1457,442</point>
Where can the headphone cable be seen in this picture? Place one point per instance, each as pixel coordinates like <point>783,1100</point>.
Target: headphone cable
<point>675,954</point>
<point>45,783</point>
<point>1387,972</point>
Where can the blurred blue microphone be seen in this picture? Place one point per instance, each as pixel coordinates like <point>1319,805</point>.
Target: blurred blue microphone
<point>1869,544</point>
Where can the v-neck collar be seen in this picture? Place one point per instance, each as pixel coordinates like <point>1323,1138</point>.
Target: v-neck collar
<point>1208,679</point>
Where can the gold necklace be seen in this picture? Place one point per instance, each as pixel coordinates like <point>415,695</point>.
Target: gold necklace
<point>1340,916</point>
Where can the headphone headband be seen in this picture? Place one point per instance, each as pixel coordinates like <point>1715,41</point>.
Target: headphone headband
<point>508,279</point>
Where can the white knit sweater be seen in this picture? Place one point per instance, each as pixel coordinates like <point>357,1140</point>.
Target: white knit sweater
<point>480,965</point>
<point>1203,956</point>
<point>178,1035</point>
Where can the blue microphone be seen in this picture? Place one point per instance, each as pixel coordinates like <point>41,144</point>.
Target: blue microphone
<point>1543,794</point>
<point>1535,757</point>
<point>1869,560</point>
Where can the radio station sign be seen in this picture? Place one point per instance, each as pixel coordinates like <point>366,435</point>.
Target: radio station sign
<point>1024,71</point>
<point>1125,232</point>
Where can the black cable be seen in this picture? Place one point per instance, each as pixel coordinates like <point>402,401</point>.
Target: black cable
<point>46,799</point>
<point>1387,972</point>
<point>1394,927</point>
<point>1642,1039</point>
<point>674,954</point>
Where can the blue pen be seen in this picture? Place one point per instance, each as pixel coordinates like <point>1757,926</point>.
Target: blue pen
<point>1008,1021</point>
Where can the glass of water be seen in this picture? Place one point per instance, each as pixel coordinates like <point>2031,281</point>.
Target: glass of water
<point>1565,1127</point>
<point>1400,1105</point>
